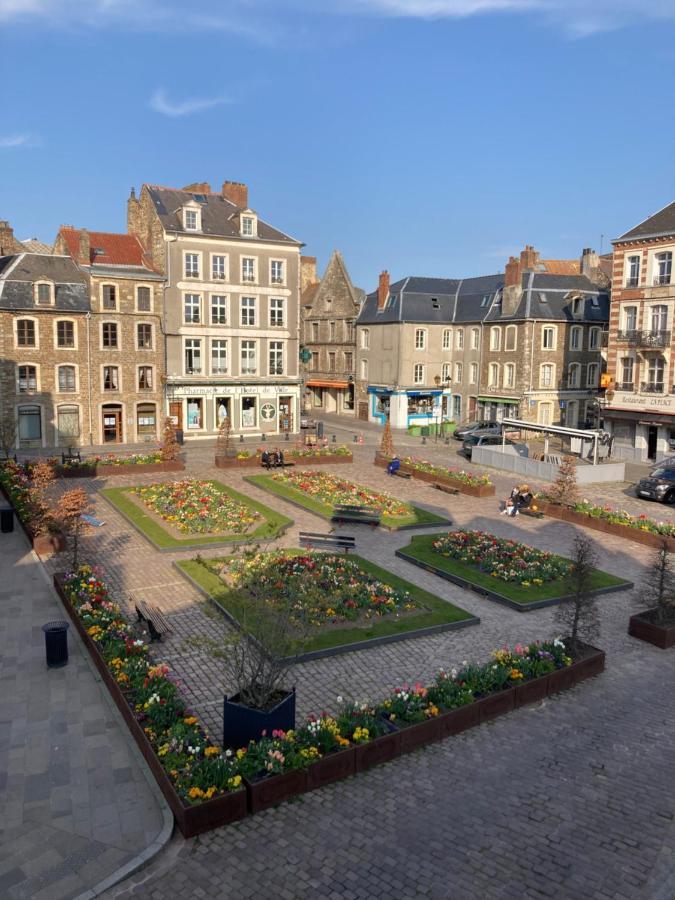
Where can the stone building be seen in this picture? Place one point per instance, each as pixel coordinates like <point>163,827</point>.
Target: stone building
<point>45,390</point>
<point>329,307</point>
<point>640,404</point>
<point>126,347</point>
<point>231,311</point>
<point>523,344</point>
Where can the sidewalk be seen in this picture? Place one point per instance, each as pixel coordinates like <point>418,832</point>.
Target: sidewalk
<point>77,805</point>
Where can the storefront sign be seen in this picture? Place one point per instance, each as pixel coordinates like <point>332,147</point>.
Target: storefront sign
<point>207,390</point>
<point>660,402</point>
<point>267,411</point>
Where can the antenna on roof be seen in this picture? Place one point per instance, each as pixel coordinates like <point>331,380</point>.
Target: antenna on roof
<point>602,237</point>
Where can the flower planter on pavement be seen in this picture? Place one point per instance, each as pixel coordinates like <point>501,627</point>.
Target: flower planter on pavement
<point>496,704</point>
<point>566,514</point>
<point>380,750</point>
<point>531,691</point>
<point>315,459</point>
<point>103,470</point>
<point>643,627</point>
<point>270,790</point>
<point>473,490</point>
<point>457,720</point>
<point>242,723</point>
<point>332,767</point>
<point>415,736</point>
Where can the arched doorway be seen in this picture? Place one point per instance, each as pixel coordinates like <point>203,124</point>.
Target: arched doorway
<point>111,419</point>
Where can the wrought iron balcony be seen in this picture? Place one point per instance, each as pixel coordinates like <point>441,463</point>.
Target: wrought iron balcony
<point>625,386</point>
<point>632,282</point>
<point>660,280</point>
<point>649,339</point>
<point>651,387</point>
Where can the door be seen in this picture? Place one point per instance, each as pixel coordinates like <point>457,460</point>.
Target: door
<point>652,435</point>
<point>363,410</point>
<point>112,424</point>
<point>285,414</point>
<point>176,413</point>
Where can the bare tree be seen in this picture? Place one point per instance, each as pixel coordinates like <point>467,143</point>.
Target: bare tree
<point>658,588</point>
<point>170,448</point>
<point>41,479</point>
<point>578,614</point>
<point>564,489</point>
<point>224,440</point>
<point>71,507</point>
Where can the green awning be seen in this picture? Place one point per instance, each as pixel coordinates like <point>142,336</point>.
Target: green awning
<point>499,400</point>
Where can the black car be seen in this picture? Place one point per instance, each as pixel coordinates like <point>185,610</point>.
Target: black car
<point>463,431</point>
<point>659,485</point>
<point>485,438</point>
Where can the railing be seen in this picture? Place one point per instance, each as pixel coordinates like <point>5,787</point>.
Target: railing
<point>218,276</point>
<point>661,279</point>
<point>651,338</point>
<point>652,387</point>
<point>193,370</point>
<point>632,282</point>
<point>277,279</point>
<point>219,370</point>
<point>625,386</point>
<point>248,279</point>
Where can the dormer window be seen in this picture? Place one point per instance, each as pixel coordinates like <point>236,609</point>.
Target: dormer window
<point>248,225</point>
<point>192,219</point>
<point>44,293</point>
<point>577,306</point>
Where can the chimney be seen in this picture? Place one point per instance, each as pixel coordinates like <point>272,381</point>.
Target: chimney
<point>8,243</point>
<point>589,261</point>
<point>528,258</point>
<point>383,289</point>
<point>84,248</point>
<point>133,214</point>
<point>307,272</point>
<point>512,273</point>
<point>198,187</point>
<point>236,193</point>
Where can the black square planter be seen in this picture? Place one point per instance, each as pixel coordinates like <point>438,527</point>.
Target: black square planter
<point>242,724</point>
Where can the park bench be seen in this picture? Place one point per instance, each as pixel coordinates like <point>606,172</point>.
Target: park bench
<point>534,513</point>
<point>356,515</point>
<point>272,465</point>
<point>71,456</point>
<point>311,540</point>
<point>153,617</point>
<point>445,488</point>
<point>399,473</point>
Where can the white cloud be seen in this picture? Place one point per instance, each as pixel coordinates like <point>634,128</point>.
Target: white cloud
<point>16,140</point>
<point>161,104</point>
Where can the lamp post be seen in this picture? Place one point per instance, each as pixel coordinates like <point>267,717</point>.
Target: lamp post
<point>437,382</point>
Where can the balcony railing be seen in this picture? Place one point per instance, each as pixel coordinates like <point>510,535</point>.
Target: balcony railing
<point>277,279</point>
<point>654,338</point>
<point>276,370</point>
<point>625,386</point>
<point>632,282</point>
<point>652,387</point>
<point>219,370</point>
<point>660,280</point>
<point>193,370</point>
<point>248,278</point>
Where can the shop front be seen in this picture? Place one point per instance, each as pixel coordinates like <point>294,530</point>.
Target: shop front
<point>642,435</point>
<point>323,395</point>
<point>407,408</point>
<point>494,409</point>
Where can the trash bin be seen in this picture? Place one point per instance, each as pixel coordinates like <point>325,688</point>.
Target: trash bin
<point>180,436</point>
<point>6,519</point>
<point>425,431</point>
<point>56,643</point>
<point>319,430</point>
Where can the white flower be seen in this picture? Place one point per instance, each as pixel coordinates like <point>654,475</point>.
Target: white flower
<point>138,643</point>
<point>339,699</point>
<point>228,753</point>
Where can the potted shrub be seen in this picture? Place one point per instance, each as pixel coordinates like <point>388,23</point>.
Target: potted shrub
<point>656,624</point>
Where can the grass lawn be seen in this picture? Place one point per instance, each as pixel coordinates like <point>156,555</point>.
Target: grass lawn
<point>420,550</point>
<point>267,483</point>
<point>433,610</point>
<point>134,512</point>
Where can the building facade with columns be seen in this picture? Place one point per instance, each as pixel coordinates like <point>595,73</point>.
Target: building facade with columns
<point>231,308</point>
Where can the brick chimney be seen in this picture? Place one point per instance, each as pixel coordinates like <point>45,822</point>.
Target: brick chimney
<point>589,261</point>
<point>529,258</point>
<point>133,213</point>
<point>236,193</point>
<point>383,289</point>
<point>198,187</point>
<point>308,274</point>
<point>84,247</point>
<point>8,243</point>
<point>512,272</point>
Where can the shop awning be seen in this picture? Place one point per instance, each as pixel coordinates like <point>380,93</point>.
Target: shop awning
<point>510,400</point>
<point>429,393</point>
<point>641,416</point>
<point>328,384</point>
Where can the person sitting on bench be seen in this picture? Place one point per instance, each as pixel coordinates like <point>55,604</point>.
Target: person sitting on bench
<point>278,459</point>
<point>394,466</point>
<point>266,459</point>
<point>525,497</point>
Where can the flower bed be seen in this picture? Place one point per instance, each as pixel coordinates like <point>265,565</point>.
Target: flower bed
<point>112,464</point>
<point>205,786</point>
<point>465,482</point>
<point>505,571</point>
<point>15,486</point>
<point>299,456</point>
<point>640,529</point>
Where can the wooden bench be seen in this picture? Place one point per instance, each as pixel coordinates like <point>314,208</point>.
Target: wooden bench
<point>344,542</point>
<point>357,515</point>
<point>71,456</point>
<point>534,513</point>
<point>445,488</point>
<point>399,473</point>
<point>153,617</point>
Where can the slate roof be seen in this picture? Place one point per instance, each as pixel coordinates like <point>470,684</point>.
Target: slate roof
<point>336,262</point>
<point>19,273</point>
<point>218,216</point>
<point>33,245</point>
<point>662,223</point>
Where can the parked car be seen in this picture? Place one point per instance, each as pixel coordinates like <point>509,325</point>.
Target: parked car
<point>659,485</point>
<point>485,438</point>
<point>463,431</point>
<point>307,421</point>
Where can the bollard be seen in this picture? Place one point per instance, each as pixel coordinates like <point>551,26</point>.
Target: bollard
<point>355,439</point>
<point>334,441</point>
<point>6,519</point>
<point>424,440</point>
<point>447,441</point>
<point>241,438</point>
<point>263,436</point>
<point>56,644</point>
<point>287,437</point>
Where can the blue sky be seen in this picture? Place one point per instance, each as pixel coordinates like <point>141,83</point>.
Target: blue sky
<point>424,136</point>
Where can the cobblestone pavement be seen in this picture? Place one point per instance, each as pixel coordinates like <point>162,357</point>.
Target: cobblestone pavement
<point>571,799</point>
<point>75,804</point>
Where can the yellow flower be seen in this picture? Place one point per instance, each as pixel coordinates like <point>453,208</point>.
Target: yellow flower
<point>211,751</point>
<point>241,753</point>
<point>515,674</point>
<point>234,782</point>
<point>191,720</point>
<point>195,792</point>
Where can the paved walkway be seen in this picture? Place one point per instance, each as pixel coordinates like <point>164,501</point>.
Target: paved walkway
<point>75,802</point>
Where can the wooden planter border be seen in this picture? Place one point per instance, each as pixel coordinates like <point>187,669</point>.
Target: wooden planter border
<point>566,514</point>
<point>254,462</point>
<point>104,470</point>
<point>662,636</point>
<point>473,490</point>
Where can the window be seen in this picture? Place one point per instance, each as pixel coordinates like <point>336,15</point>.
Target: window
<point>627,363</point>
<point>459,339</point>
<point>594,339</point>
<point>447,339</point>
<point>510,337</point>
<point>218,267</point>
<point>27,379</point>
<point>191,309</point>
<point>420,339</point>
<point>546,374</point>
<point>457,408</point>
<point>249,364</point>
<point>248,412</point>
<point>144,336</point>
<point>276,312</point>
<point>486,299</point>
<point>592,375</point>
<point>364,369</point>
<point>44,293</point>
<point>25,333</point>
<point>277,358</point>
<point>30,423</point>
<point>495,338</point>
<point>365,338</point>
<point>459,370</point>
<point>143,299</point>
<point>192,265</point>
<point>109,296</point>
<point>350,332</point>
<point>655,372</point>
<point>578,306</point>
<point>191,219</point>
<point>248,310</point>
<point>146,419</point>
<point>65,333</point>
<point>446,372</point>
<point>493,374</point>
<point>193,357</point>
<point>475,338</point>
<point>331,331</point>
<point>664,264</point>
<point>111,378</point>
<point>548,337</point>
<point>315,332</point>
<point>630,318</point>
<point>574,375</point>
<point>247,226</point>
<point>418,374</point>
<point>633,271</point>
<point>277,271</point>
<point>349,361</point>
<point>509,375</point>
<point>659,318</point>
<point>314,362</point>
<point>218,357</point>
<point>67,379</point>
<point>576,337</point>
<point>109,335</point>
<point>68,424</point>
<point>218,310</point>
<point>145,378</point>
<point>473,373</point>
<point>545,411</point>
<point>247,269</point>
<point>332,361</point>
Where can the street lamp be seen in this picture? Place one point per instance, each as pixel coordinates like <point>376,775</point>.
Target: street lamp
<point>437,382</point>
